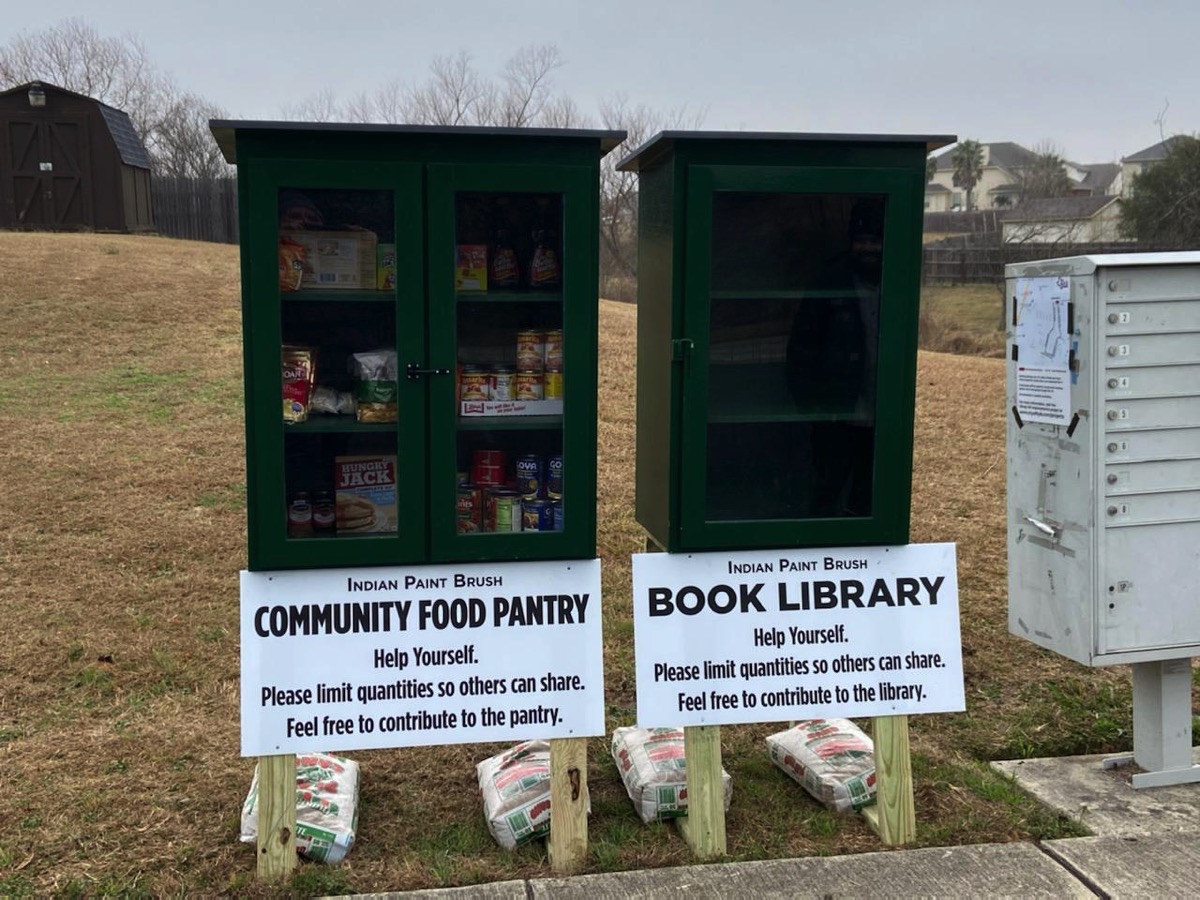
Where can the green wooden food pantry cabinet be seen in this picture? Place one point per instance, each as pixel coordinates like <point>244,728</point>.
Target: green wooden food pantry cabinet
<point>419,316</point>
<point>778,288</point>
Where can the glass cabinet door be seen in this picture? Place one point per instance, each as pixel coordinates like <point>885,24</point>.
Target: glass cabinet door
<point>788,293</point>
<point>510,265</point>
<point>347,299</point>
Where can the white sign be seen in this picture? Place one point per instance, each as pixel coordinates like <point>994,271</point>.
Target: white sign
<point>766,636</point>
<point>345,659</point>
<point>1043,344</point>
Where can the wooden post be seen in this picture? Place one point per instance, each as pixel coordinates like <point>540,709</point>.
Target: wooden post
<point>704,825</point>
<point>568,842</point>
<point>276,816</point>
<point>894,815</point>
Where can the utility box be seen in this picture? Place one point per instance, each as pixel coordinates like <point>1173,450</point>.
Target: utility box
<point>1103,390</point>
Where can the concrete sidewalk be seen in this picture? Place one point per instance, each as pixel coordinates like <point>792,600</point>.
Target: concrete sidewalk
<point>1145,843</point>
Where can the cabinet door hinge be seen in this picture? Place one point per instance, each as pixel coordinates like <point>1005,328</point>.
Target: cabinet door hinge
<point>680,349</point>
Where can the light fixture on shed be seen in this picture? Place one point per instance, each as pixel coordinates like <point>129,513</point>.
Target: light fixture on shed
<point>37,94</point>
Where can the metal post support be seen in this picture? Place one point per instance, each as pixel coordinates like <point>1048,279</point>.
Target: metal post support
<point>1162,724</point>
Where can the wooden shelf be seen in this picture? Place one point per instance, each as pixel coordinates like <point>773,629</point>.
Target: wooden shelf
<point>320,423</point>
<point>338,296</point>
<point>513,296</point>
<point>759,393</point>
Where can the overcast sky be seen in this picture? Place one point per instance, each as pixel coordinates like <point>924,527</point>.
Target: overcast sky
<point>1088,76</point>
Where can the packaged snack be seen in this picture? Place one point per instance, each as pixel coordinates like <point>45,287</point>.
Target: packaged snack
<point>299,373</point>
<point>336,260</point>
<point>291,264</point>
<point>376,388</point>
<point>365,494</point>
<point>326,807</point>
<point>470,273</point>
<point>385,268</point>
<point>652,766</point>
<point>832,758</point>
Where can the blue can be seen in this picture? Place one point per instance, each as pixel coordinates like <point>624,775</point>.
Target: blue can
<point>557,514</point>
<point>536,515</point>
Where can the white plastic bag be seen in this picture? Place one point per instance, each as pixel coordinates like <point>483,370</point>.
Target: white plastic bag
<point>326,807</point>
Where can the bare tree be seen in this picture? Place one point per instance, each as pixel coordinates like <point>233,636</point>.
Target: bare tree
<point>527,86</point>
<point>1045,177</point>
<point>181,143</point>
<point>319,107</point>
<point>453,94</point>
<point>75,56</point>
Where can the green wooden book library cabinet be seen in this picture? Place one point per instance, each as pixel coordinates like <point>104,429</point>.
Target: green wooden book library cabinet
<point>419,324</point>
<point>778,288</point>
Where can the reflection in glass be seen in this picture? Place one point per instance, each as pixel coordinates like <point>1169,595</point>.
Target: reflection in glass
<point>794,333</point>
<point>340,371</point>
<point>509,338</point>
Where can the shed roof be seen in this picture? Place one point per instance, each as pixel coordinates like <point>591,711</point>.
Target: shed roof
<point>120,126</point>
<point>1058,208</point>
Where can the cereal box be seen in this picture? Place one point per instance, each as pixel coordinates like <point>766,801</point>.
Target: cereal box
<point>366,494</point>
<point>470,272</point>
<point>336,260</point>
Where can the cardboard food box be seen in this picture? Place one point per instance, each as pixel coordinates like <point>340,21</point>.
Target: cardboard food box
<point>365,494</point>
<point>385,267</point>
<point>337,260</point>
<point>470,272</point>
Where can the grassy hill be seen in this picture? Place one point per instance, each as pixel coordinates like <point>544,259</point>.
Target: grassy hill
<point>124,530</point>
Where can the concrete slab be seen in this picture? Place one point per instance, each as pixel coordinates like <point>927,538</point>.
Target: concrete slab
<point>1104,800</point>
<point>497,890</point>
<point>1159,865</point>
<point>984,870</point>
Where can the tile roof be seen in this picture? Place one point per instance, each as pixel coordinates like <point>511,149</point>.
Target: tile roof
<point>1155,152</point>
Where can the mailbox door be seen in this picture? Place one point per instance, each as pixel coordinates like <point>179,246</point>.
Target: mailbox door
<point>798,356</point>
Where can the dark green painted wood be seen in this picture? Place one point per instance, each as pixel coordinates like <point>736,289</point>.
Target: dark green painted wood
<point>423,168</point>
<point>678,181</point>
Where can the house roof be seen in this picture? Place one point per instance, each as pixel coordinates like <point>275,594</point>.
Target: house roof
<point>934,188</point>
<point>1155,152</point>
<point>1004,155</point>
<point>1057,208</point>
<point>1099,176</point>
<point>120,126</point>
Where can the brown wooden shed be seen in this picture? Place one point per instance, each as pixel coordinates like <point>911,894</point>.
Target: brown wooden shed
<point>70,162</point>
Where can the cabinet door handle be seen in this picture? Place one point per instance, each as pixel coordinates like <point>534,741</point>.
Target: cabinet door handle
<point>414,371</point>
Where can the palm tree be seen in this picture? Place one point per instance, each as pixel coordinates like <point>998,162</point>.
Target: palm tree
<point>968,167</point>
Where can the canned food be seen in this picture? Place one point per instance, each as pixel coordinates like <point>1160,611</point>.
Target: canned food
<point>556,507</point>
<point>552,351</point>
<point>530,351</point>
<point>530,475</point>
<point>503,383</point>
<point>324,513</point>
<point>300,516</point>
<point>470,509</point>
<point>505,508</point>
<point>489,467</point>
<point>554,477</point>
<point>536,515</point>
<point>530,386</point>
<point>475,384</point>
<point>552,385</point>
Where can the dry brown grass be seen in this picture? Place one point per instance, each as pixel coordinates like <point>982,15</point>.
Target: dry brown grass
<point>123,504</point>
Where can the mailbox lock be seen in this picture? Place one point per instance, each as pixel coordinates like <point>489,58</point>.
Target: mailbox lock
<point>1112,414</point>
<point>1112,351</point>
<point>1112,479</point>
<point>1112,510</point>
<point>1112,319</point>
<point>1112,448</point>
<point>1112,382</point>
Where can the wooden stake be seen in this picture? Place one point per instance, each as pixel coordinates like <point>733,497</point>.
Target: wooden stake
<point>704,826</point>
<point>568,842</point>
<point>894,815</point>
<point>276,816</point>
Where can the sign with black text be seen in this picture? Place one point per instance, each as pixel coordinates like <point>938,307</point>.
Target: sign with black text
<point>345,659</point>
<point>766,636</point>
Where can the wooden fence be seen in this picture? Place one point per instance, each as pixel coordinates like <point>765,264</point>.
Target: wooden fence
<point>195,208</point>
<point>974,261</point>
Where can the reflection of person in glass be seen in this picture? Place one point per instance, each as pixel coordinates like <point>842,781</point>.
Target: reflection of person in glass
<point>298,213</point>
<point>831,367</point>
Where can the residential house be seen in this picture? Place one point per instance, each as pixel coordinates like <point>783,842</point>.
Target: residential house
<point>1070,220</point>
<point>1137,163</point>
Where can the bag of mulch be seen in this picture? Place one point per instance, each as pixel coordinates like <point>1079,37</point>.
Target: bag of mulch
<point>832,758</point>
<point>515,786</point>
<point>654,770</point>
<point>326,807</point>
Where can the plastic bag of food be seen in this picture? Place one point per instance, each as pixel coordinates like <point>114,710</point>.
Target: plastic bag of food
<point>376,389</point>
<point>326,807</point>
<point>654,770</point>
<point>832,758</point>
<point>299,373</point>
<point>332,401</point>
<point>516,793</point>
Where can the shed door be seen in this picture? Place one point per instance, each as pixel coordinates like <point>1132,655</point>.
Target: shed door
<point>46,173</point>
